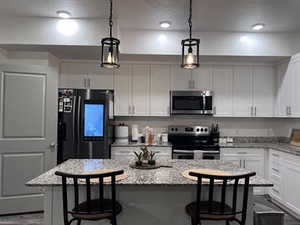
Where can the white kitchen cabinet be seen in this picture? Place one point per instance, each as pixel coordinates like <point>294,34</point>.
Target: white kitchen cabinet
<point>85,75</point>
<point>160,90</point>
<point>263,91</point>
<point>181,78</point>
<point>140,90</point>
<point>242,91</point>
<point>247,158</point>
<point>202,78</point>
<point>222,87</point>
<point>123,93</point>
<point>295,106</point>
<point>127,153</point>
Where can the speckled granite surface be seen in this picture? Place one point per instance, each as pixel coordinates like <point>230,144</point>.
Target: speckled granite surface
<point>161,176</point>
<point>283,147</point>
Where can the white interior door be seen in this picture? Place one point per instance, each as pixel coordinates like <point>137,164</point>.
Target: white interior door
<point>28,118</point>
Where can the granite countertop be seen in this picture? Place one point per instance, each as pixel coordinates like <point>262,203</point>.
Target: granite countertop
<point>283,147</point>
<point>161,176</point>
<point>138,144</point>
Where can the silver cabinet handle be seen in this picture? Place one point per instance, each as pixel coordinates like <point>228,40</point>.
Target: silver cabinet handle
<point>129,110</point>
<point>251,110</point>
<point>255,111</point>
<point>84,82</point>
<point>190,84</point>
<point>290,110</point>
<point>276,155</point>
<point>287,110</point>
<point>88,83</point>
<point>133,109</point>
<point>193,83</point>
<point>273,189</point>
<point>214,110</point>
<point>276,170</point>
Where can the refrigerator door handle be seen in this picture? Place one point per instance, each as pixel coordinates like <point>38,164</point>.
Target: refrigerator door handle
<point>78,124</point>
<point>74,119</point>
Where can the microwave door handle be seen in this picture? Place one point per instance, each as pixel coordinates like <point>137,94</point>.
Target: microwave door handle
<point>204,103</point>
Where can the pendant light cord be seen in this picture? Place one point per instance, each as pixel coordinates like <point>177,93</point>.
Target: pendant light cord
<point>110,19</point>
<point>190,19</point>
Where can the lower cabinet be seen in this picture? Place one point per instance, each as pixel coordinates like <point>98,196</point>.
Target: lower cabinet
<point>284,173</point>
<point>247,158</point>
<point>127,153</point>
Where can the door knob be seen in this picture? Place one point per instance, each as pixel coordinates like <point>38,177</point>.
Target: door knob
<point>52,145</point>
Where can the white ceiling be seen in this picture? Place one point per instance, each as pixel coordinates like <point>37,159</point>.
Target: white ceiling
<point>208,15</point>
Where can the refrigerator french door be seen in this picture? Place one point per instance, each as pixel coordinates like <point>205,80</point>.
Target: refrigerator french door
<point>85,124</point>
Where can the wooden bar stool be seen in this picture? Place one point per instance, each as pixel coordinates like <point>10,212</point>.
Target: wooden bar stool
<point>91,209</point>
<point>219,210</point>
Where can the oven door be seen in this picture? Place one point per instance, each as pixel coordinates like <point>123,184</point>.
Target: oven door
<point>196,154</point>
<point>187,102</point>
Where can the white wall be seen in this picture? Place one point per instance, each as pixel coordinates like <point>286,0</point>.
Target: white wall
<point>43,31</point>
<point>212,43</point>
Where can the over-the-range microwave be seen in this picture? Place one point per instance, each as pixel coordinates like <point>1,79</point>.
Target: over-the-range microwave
<point>191,102</point>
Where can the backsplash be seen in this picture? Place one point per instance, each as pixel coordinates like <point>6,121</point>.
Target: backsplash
<point>232,127</point>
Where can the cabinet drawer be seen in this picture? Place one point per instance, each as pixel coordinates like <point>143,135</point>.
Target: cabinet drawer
<point>243,151</point>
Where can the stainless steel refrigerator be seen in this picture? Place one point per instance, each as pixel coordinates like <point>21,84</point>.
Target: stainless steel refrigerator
<point>85,124</point>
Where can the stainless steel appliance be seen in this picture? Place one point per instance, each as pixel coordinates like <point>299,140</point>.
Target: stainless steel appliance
<point>85,128</point>
<point>194,142</point>
<point>191,102</point>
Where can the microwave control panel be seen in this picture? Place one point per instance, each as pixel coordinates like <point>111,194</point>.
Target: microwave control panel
<point>65,100</point>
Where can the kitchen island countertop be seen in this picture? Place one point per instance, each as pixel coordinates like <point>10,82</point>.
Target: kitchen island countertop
<point>162,176</point>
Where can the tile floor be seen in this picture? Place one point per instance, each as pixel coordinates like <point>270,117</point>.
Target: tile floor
<point>37,218</point>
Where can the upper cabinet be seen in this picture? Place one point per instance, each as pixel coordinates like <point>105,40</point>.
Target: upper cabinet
<point>140,90</point>
<point>287,102</point>
<point>122,91</point>
<point>196,79</point>
<point>222,87</point>
<point>202,78</point>
<point>242,91</point>
<point>263,91</point>
<point>181,78</point>
<point>85,75</point>
<point>160,90</point>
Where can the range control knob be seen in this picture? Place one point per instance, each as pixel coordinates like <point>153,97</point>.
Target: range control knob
<point>201,129</point>
<point>197,129</point>
<point>205,129</point>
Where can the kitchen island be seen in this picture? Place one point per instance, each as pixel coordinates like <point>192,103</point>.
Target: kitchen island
<point>148,197</point>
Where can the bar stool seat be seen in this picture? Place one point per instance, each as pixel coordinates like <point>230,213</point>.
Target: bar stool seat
<point>216,212</point>
<point>97,209</point>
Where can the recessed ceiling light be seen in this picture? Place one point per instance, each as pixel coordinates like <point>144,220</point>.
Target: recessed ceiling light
<point>63,14</point>
<point>258,26</point>
<point>165,24</point>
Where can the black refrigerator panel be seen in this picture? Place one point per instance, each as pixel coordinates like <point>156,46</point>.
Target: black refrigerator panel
<point>85,129</point>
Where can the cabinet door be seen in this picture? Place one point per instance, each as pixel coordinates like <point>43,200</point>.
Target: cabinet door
<point>295,106</point>
<point>283,90</point>
<point>242,91</point>
<point>159,90</point>
<point>291,186</point>
<point>122,87</point>
<point>235,159</point>
<point>140,90</point>
<point>255,164</point>
<point>263,91</point>
<point>222,87</point>
<point>181,78</point>
<point>72,81</point>
<point>101,78</point>
<point>202,78</point>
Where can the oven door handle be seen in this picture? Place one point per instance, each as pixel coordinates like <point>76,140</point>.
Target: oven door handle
<point>182,151</point>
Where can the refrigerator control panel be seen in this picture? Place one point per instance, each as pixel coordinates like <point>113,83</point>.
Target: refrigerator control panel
<point>65,101</point>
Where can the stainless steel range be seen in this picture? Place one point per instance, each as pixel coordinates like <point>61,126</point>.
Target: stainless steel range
<point>194,142</point>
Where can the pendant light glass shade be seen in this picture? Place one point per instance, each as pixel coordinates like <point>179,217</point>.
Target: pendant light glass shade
<point>110,47</point>
<point>110,53</point>
<point>190,48</point>
<point>190,53</point>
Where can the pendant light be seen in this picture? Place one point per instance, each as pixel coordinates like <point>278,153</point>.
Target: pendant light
<point>110,47</point>
<point>190,48</point>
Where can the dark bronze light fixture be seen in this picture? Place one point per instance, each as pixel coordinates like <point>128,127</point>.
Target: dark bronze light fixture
<point>110,47</point>
<point>190,48</point>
